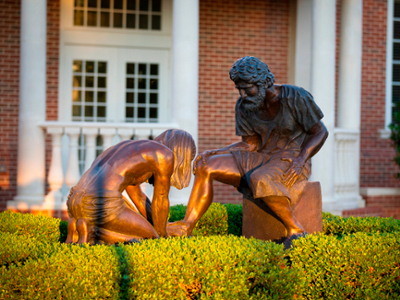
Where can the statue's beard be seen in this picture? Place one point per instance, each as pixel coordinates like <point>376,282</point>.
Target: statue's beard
<point>256,102</point>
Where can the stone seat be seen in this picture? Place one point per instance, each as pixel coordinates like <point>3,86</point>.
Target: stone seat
<point>261,223</point>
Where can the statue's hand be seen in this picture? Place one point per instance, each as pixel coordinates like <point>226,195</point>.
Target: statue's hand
<point>178,228</point>
<point>294,171</point>
<point>203,156</point>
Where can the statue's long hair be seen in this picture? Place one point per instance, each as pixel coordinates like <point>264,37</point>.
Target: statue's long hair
<point>184,148</point>
<point>252,70</point>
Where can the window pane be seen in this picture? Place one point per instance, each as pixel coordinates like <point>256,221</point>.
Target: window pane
<point>76,110</point>
<point>101,97</point>
<point>142,83</point>
<point>129,112</point>
<point>153,69</point>
<point>89,81</point>
<point>101,111</point>
<point>77,81</point>
<point>130,83</point>
<point>102,67</point>
<point>78,17</point>
<point>130,68</point>
<point>130,20</point>
<point>143,21</point>
<point>131,4</point>
<point>129,97</point>
<point>156,22</point>
<point>396,51</point>
<point>118,4</point>
<point>91,18</point>
<point>105,19</point>
<point>77,66</point>
<point>156,5</point>
<point>92,3</point>
<point>397,9</point>
<point>79,3</point>
<point>396,72</point>
<point>89,66</point>
<point>153,84</point>
<point>141,112</point>
<point>105,3</point>
<point>144,5</point>
<point>153,112</point>
<point>89,96</point>
<point>118,20</point>
<point>101,82</point>
<point>142,69</point>
<point>141,98</point>
<point>153,98</point>
<point>88,111</point>
<point>396,94</point>
<point>76,96</point>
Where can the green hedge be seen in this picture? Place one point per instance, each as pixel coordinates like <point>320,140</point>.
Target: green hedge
<point>354,258</point>
<point>359,266</point>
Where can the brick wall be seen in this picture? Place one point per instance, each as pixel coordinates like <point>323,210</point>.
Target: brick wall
<point>377,166</point>
<point>52,60</point>
<point>9,95</point>
<point>229,30</point>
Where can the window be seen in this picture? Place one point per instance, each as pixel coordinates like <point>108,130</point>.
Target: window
<point>129,14</point>
<point>396,58</point>
<point>141,101</point>
<point>89,91</point>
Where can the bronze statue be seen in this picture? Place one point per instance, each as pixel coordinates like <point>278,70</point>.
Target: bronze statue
<point>98,211</point>
<point>281,130</point>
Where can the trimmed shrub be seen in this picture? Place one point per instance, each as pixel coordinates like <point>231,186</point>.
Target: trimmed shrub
<point>209,268</point>
<point>335,225</point>
<point>359,266</point>
<point>15,248</point>
<point>72,272</point>
<point>213,222</point>
<point>43,228</point>
<point>235,218</point>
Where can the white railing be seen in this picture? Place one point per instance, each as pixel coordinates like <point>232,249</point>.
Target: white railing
<point>347,163</point>
<point>64,164</point>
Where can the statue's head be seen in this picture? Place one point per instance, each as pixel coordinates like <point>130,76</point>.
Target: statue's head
<point>252,70</point>
<point>183,146</point>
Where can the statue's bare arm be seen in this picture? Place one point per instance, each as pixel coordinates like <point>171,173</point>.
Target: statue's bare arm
<point>160,201</point>
<point>138,198</point>
<point>316,138</point>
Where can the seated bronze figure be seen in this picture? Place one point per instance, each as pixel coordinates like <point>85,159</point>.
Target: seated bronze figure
<point>281,130</point>
<point>99,213</point>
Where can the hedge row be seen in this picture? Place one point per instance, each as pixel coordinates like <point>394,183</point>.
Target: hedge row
<point>354,258</point>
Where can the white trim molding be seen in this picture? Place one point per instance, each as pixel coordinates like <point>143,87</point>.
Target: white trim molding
<point>379,191</point>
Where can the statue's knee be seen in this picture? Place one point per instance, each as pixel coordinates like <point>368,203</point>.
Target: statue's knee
<point>202,168</point>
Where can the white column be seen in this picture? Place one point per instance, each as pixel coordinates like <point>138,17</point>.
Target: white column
<point>125,133</point>
<point>302,67</point>
<point>73,175</point>
<point>53,199</point>
<point>90,136</point>
<point>185,78</point>
<point>349,85</point>
<point>32,105</point>
<point>323,90</point>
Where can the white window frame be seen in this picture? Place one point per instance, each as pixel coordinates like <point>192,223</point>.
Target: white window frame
<point>389,66</point>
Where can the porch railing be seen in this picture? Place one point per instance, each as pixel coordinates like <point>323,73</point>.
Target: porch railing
<point>346,169</point>
<point>64,164</point>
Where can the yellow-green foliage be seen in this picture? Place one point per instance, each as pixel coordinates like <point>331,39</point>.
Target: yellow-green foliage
<point>214,267</point>
<point>213,222</point>
<point>71,272</point>
<point>359,266</point>
<point>43,228</point>
<point>16,248</point>
<point>338,226</point>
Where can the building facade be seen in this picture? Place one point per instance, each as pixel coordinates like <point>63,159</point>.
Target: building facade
<point>78,76</point>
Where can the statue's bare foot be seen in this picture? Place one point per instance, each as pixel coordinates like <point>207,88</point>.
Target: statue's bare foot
<point>178,228</point>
